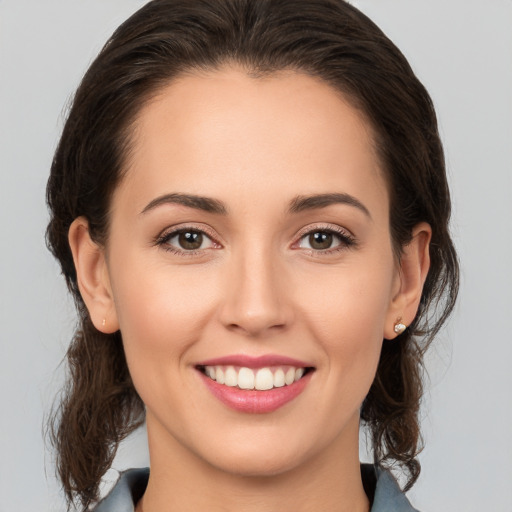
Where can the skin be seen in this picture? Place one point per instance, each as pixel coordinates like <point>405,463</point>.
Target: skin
<point>254,287</point>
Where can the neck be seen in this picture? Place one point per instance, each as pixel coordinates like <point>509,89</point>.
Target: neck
<point>182,482</point>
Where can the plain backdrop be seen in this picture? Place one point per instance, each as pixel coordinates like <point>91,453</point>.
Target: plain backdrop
<point>461,50</point>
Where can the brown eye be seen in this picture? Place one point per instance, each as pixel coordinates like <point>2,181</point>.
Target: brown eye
<point>326,240</point>
<point>186,240</point>
<point>320,240</point>
<point>190,240</point>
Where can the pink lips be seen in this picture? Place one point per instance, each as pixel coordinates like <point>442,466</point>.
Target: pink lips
<point>255,362</point>
<point>254,401</point>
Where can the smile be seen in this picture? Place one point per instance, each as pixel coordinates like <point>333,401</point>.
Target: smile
<point>255,384</point>
<point>261,379</point>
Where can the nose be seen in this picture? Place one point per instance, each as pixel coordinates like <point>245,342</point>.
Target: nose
<point>255,299</point>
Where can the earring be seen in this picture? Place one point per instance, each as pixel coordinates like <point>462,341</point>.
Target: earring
<point>103,323</point>
<point>399,326</point>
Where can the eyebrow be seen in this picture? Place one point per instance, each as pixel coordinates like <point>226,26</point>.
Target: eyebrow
<point>206,204</point>
<point>302,203</point>
<point>297,204</point>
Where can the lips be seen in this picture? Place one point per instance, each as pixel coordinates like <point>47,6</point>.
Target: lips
<point>256,385</point>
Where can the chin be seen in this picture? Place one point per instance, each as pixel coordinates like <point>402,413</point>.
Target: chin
<point>257,466</point>
<point>257,457</point>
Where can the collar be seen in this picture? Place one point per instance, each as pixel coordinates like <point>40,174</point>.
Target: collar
<point>387,495</point>
<point>383,490</point>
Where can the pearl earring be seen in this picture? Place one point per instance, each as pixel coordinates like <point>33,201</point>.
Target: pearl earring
<point>399,326</point>
<point>103,323</point>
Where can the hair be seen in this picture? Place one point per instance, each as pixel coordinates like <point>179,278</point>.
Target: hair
<point>327,39</point>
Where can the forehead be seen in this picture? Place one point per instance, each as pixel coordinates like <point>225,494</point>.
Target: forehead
<point>287,131</point>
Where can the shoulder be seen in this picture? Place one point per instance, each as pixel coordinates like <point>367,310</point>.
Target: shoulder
<point>127,491</point>
<point>387,495</point>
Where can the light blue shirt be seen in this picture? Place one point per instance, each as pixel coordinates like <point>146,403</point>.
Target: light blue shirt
<point>132,483</point>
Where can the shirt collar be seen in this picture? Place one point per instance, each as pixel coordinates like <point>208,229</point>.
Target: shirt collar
<point>132,483</point>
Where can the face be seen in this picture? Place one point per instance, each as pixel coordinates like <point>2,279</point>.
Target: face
<point>249,246</point>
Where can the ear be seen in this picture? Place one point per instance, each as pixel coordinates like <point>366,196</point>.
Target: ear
<point>413,269</point>
<point>92,276</point>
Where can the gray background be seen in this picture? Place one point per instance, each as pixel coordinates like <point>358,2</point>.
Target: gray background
<point>462,50</point>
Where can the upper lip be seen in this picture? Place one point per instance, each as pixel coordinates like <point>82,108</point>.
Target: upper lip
<point>255,362</point>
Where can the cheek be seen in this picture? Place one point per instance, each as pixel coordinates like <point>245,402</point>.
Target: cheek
<point>346,311</point>
<point>161,311</point>
<point>350,299</point>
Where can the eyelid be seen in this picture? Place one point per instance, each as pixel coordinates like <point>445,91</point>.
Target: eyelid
<point>348,240</point>
<point>171,231</point>
<point>321,226</point>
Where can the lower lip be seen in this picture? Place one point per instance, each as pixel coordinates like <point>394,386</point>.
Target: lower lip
<point>256,402</point>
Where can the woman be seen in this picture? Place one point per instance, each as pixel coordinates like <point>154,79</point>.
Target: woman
<point>250,207</point>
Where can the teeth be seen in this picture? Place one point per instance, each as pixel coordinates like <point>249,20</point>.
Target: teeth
<point>264,379</point>
<point>261,379</point>
<point>289,377</point>
<point>230,377</point>
<point>279,378</point>
<point>245,378</point>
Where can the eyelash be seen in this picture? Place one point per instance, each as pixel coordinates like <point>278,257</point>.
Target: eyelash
<point>163,240</point>
<point>346,240</point>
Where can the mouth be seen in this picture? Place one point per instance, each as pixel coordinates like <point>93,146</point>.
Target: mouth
<point>259,379</point>
<point>255,384</point>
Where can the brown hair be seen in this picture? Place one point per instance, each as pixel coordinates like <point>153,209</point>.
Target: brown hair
<point>328,39</point>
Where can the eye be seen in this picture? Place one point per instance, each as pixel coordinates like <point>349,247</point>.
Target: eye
<point>319,240</point>
<point>190,240</point>
<point>186,240</point>
<point>326,240</point>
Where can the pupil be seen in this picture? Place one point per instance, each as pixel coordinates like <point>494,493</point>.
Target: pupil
<point>320,240</point>
<point>190,240</point>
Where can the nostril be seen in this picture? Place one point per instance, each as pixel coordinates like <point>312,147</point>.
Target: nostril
<point>254,300</point>
<point>254,326</point>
